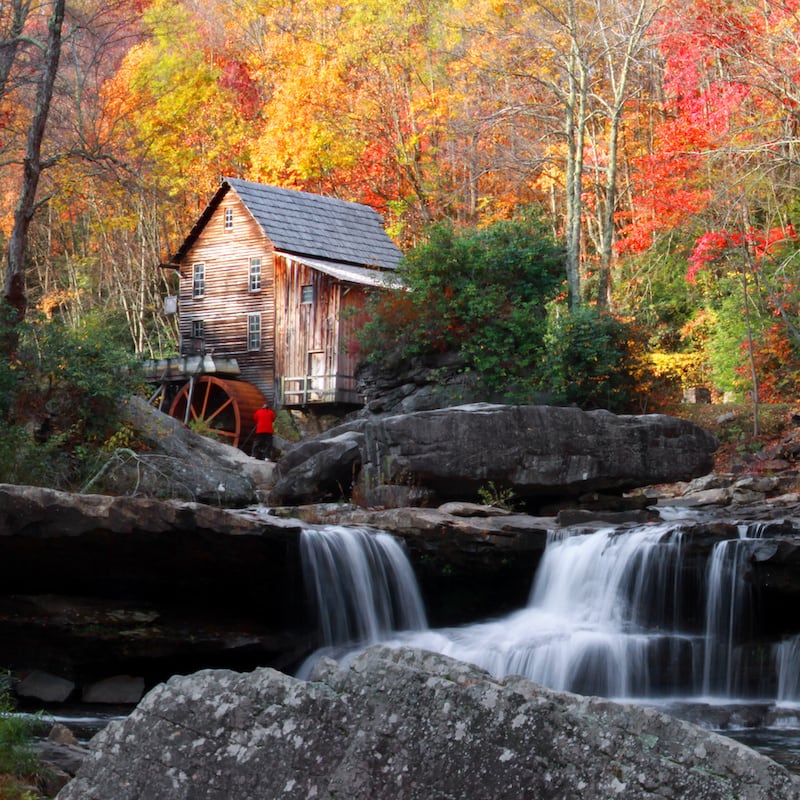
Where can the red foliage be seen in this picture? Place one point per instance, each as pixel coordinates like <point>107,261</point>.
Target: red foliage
<point>777,366</point>
<point>236,78</point>
<point>714,245</point>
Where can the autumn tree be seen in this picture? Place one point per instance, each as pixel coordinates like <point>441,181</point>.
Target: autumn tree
<point>14,292</point>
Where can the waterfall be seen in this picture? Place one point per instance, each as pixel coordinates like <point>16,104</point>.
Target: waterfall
<point>787,656</point>
<point>361,584</point>
<point>625,613</point>
<point>728,607</point>
<point>602,619</point>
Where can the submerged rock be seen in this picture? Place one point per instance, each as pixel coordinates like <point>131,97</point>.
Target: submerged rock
<point>406,724</point>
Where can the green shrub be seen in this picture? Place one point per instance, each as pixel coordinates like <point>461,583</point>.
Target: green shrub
<point>482,293</point>
<point>16,754</point>
<point>593,360</point>
<point>59,394</point>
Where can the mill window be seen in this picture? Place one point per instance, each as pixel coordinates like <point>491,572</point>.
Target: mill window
<point>228,219</point>
<point>254,331</point>
<point>199,280</point>
<point>307,294</point>
<point>255,274</point>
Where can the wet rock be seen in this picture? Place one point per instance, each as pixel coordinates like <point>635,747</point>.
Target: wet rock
<point>407,725</point>
<point>65,757</point>
<point>96,586</point>
<point>577,516</point>
<point>117,690</point>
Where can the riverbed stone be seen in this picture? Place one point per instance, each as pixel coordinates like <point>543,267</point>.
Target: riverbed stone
<point>406,724</point>
<point>116,690</point>
<point>44,686</point>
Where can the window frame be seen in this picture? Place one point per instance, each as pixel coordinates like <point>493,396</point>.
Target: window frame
<point>307,294</point>
<point>198,329</point>
<point>228,218</point>
<point>254,277</point>
<point>252,344</point>
<point>198,280</point>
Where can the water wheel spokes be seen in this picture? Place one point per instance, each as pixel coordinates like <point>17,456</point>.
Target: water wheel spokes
<point>222,409</point>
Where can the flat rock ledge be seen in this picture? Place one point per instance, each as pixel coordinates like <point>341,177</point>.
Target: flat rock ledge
<point>405,724</point>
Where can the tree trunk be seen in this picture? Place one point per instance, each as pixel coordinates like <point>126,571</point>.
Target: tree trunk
<point>14,291</point>
<point>575,135</point>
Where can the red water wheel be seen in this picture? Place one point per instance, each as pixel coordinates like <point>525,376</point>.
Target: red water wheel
<point>219,408</point>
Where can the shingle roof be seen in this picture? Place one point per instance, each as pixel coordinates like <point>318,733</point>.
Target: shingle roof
<point>309,224</point>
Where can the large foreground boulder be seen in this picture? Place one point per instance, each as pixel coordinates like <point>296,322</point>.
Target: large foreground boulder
<point>533,451</point>
<point>404,724</point>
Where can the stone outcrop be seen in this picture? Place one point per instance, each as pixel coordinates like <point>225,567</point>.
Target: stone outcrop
<point>96,587</point>
<point>322,466</point>
<point>407,725</point>
<point>534,452</point>
<point>177,462</point>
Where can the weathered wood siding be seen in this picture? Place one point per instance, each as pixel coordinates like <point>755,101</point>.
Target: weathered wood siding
<point>311,337</point>
<point>228,300</point>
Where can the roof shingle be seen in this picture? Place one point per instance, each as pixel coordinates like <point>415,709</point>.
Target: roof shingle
<point>321,227</point>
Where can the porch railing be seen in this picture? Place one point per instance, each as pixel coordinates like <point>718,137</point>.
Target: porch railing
<point>303,390</point>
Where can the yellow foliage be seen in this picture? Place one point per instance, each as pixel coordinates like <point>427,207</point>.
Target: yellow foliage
<point>688,369</point>
<point>54,300</point>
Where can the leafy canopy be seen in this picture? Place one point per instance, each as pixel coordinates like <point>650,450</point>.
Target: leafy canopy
<point>482,293</point>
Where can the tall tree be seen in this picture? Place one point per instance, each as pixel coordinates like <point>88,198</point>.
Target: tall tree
<point>14,289</point>
<point>623,34</point>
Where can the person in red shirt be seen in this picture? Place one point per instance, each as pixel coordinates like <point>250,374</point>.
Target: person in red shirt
<point>262,441</point>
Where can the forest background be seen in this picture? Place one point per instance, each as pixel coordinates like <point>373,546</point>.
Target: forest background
<point>658,143</point>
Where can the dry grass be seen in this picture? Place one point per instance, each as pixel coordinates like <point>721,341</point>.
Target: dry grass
<point>12,788</point>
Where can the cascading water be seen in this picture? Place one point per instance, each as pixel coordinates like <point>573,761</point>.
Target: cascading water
<point>622,614</point>
<point>612,612</point>
<point>628,613</point>
<point>787,656</point>
<point>362,585</point>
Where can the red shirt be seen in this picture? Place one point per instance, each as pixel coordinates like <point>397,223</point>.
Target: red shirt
<point>264,418</point>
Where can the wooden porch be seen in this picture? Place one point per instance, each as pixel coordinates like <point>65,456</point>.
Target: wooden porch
<point>304,390</point>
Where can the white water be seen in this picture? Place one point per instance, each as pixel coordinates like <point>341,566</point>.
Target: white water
<point>362,584</point>
<point>787,655</point>
<point>610,613</point>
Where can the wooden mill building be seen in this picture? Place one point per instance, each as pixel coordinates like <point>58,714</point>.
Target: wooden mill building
<point>272,280</point>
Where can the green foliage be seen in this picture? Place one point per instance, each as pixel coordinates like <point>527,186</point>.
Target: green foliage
<point>497,496</point>
<point>16,754</point>
<point>592,359</point>
<point>482,293</point>
<point>485,294</point>
<point>653,287</point>
<point>61,389</point>
<point>724,351</point>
